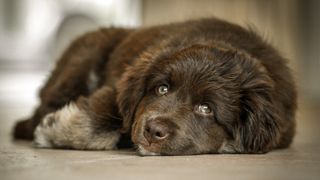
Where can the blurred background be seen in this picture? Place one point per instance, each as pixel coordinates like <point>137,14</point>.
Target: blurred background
<point>33,34</point>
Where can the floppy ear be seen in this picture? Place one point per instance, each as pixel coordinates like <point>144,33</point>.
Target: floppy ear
<point>258,126</point>
<point>131,89</point>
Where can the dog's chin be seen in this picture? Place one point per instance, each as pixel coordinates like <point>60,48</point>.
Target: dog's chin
<point>144,152</point>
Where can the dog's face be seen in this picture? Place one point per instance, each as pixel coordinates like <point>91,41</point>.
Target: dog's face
<point>191,102</point>
<point>178,112</point>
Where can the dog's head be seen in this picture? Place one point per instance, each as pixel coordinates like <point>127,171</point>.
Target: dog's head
<point>201,99</point>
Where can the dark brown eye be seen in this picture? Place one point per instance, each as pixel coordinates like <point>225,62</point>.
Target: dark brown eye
<point>204,109</point>
<point>162,90</point>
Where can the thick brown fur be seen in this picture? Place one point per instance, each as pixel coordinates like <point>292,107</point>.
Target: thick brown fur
<point>111,77</point>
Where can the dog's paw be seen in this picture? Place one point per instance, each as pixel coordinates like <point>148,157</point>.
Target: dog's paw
<point>57,129</point>
<point>72,127</point>
<point>44,132</point>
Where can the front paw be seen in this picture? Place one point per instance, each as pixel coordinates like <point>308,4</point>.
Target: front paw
<point>44,132</point>
<point>72,127</point>
<point>57,129</point>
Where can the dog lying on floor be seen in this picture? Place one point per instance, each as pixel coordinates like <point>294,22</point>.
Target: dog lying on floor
<point>203,86</point>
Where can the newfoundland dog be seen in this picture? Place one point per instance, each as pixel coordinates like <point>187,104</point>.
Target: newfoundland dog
<point>203,86</point>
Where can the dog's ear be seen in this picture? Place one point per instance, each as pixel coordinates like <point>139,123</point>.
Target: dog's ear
<point>258,126</point>
<point>131,89</point>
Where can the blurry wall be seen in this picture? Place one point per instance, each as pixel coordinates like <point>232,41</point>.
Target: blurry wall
<point>33,33</point>
<point>292,26</point>
<point>309,46</point>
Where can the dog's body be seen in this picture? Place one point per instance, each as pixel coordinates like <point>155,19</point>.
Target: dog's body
<point>203,86</point>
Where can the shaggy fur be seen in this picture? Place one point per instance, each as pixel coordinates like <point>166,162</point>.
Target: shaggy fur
<point>204,86</point>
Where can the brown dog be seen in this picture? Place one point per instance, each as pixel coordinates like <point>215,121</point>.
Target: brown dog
<point>204,86</point>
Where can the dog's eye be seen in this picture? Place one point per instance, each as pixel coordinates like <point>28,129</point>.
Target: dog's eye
<point>204,109</point>
<point>162,90</point>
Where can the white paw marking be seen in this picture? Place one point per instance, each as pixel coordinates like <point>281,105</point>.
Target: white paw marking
<point>142,151</point>
<point>71,127</point>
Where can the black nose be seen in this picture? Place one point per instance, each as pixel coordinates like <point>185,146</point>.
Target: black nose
<point>155,131</point>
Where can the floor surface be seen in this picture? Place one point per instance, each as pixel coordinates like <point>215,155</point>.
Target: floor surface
<point>19,160</point>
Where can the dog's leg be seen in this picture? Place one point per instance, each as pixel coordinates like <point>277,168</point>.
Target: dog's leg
<point>78,73</point>
<point>89,123</point>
